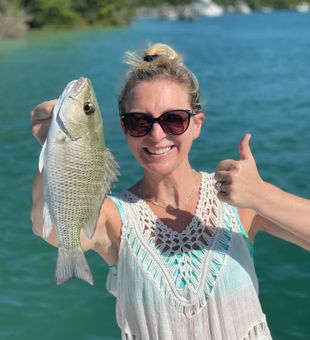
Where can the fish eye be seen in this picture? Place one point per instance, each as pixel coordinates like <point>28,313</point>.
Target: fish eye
<point>89,108</point>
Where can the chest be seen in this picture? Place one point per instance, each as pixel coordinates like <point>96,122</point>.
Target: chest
<point>183,267</point>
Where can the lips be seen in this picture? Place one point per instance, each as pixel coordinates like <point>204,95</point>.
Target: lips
<point>158,151</point>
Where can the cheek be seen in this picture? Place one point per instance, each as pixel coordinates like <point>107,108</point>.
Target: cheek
<point>132,143</point>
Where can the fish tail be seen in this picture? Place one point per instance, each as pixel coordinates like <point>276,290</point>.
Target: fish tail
<point>71,263</point>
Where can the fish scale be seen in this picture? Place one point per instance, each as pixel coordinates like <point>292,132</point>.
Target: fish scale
<point>78,172</point>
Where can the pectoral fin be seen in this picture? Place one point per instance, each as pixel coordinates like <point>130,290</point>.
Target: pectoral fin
<point>47,222</point>
<point>42,157</point>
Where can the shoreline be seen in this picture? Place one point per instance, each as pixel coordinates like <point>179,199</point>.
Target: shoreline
<point>16,23</point>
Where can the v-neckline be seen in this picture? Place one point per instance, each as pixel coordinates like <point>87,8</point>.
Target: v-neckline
<point>165,260</point>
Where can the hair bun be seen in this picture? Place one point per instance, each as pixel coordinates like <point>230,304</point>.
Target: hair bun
<point>162,50</point>
<point>150,57</point>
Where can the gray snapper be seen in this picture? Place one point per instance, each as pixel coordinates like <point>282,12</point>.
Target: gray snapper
<point>78,172</point>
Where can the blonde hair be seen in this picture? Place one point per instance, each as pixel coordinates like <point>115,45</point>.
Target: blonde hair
<point>159,61</point>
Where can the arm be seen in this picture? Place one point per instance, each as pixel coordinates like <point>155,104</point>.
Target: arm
<point>272,210</point>
<point>254,223</point>
<point>291,214</point>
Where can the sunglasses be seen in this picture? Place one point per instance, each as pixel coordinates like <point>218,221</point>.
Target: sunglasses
<point>173,122</point>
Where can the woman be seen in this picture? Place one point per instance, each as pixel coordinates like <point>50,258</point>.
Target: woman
<point>181,240</point>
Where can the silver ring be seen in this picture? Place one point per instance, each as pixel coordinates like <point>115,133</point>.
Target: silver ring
<point>219,186</point>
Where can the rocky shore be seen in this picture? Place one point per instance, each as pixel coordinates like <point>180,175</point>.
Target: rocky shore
<point>207,8</point>
<point>13,23</point>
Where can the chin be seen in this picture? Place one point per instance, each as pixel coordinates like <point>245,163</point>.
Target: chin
<point>161,168</point>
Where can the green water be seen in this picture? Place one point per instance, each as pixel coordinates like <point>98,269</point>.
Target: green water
<point>255,76</point>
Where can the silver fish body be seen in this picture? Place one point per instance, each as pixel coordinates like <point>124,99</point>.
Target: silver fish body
<point>78,172</point>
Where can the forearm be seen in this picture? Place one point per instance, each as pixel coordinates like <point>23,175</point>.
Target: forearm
<point>37,210</point>
<point>288,211</point>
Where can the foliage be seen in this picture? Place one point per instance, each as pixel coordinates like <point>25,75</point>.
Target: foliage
<point>78,12</point>
<point>16,15</point>
<point>151,3</point>
<point>52,13</point>
<point>105,12</point>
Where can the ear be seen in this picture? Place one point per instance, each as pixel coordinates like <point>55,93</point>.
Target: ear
<point>198,120</point>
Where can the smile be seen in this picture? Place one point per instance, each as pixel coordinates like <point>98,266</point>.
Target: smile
<point>158,151</point>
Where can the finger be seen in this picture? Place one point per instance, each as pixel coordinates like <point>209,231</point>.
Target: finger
<point>43,111</point>
<point>227,165</point>
<point>38,115</point>
<point>222,187</point>
<point>223,176</point>
<point>40,133</point>
<point>244,148</point>
<point>222,196</point>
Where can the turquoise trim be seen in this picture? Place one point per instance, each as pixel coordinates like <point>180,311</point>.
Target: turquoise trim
<point>243,232</point>
<point>113,268</point>
<point>119,206</point>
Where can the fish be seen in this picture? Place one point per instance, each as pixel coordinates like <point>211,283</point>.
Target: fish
<point>78,173</point>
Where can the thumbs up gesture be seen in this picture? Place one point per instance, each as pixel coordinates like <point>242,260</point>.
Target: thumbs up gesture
<point>238,182</point>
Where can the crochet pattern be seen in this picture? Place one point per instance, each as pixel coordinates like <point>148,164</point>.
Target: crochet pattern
<point>185,265</point>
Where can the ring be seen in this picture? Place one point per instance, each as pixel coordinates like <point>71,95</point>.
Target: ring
<point>219,186</point>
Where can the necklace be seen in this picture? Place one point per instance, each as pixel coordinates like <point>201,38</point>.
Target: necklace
<point>169,207</point>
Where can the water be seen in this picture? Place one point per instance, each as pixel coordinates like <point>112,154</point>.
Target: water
<point>255,76</point>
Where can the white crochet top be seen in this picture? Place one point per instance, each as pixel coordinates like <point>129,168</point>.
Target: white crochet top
<point>197,284</point>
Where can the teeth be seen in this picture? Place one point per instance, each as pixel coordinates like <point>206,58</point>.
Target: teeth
<point>159,151</point>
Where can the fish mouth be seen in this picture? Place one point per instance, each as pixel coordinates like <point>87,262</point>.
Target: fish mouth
<point>78,86</point>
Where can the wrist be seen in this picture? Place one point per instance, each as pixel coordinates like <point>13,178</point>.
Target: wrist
<point>260,196</point>
<point>265,198</point>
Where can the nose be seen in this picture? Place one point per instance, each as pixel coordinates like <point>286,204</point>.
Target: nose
<point>157,133</point>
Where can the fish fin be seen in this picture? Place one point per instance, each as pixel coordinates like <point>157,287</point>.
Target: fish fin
<point>42,156</point>
<point>47,222</point>
<point>111,173</point>
<point>71,263</point>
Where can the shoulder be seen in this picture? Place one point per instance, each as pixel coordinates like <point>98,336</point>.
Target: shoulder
<point>110,218</point>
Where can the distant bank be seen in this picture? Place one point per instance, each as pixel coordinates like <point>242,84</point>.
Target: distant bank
<point>16,17</point>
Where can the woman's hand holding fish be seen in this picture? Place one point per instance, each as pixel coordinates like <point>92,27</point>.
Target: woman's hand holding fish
<point>239,182</point>
<point>41,118</point>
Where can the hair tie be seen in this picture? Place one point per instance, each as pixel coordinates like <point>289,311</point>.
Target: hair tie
<point>150,57</point>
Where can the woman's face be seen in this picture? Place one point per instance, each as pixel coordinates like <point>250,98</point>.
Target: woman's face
<point>159,152</point>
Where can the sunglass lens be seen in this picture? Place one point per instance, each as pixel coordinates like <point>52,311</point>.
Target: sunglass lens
<point>175,122</point>
<point>136,124</point>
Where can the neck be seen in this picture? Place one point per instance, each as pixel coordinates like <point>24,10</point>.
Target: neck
<point>174,189</point>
